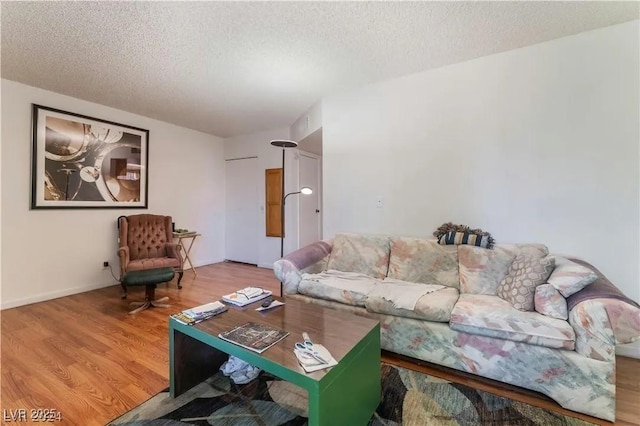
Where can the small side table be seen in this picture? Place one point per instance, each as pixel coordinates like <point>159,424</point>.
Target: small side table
<point>191,237</point>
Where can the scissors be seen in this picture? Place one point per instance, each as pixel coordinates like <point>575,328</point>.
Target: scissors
<point>306,347</point>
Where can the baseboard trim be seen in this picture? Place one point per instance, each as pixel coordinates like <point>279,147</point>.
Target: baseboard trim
<point>631,350</point>
<point>265,265</point>
<point>52,295</point>
<point>205,263</point>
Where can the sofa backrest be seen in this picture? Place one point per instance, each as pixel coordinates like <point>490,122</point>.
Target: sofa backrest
<point>481,270</point>
<point>470,269</point>
<point>423,261</point>
<point>361,253</point>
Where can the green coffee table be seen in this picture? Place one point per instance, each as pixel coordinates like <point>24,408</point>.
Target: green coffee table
<point>346,394</point>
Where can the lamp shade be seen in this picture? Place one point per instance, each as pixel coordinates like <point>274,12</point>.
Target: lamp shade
<point>284,143</point>
<point>306,190</point>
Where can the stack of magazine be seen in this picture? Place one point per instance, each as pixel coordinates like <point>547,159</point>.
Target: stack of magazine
<point>199,313</point>
<point>246,295</point>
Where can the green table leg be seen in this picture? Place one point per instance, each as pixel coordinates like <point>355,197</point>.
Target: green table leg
<point>352,396</point>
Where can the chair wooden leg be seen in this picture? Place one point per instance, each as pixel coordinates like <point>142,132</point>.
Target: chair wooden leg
<point>141,306</point>
<point>180,274</point>
<point>149,300</point>
<point>155,303</point>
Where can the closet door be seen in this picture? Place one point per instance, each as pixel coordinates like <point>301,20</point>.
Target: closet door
<point>242,210</point>
<point>310,212</point>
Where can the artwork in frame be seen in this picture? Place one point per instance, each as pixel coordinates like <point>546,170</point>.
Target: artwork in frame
<point>85,162</point>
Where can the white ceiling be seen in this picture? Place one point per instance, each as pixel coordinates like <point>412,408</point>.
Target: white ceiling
<point>228,68</point>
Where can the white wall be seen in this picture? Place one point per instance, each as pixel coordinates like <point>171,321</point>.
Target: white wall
<point>309,122</point>
<point>270,157</point>
<point>539,144</point>
<point>52,253</point>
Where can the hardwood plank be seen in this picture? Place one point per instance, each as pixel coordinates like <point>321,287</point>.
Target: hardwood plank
<point>85,356</point>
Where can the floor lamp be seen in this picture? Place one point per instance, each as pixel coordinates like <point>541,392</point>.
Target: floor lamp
<point>283,143</point>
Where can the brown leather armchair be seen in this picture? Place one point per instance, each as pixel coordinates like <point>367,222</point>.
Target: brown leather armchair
<point>146,242</point>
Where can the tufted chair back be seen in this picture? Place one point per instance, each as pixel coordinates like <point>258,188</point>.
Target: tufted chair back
<point>146,235</point>
<point>146,242</point>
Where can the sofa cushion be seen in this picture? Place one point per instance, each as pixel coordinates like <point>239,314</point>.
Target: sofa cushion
<point>364,254</point>
<point>153,263</point>
<point>423,261</point>
<point>569,277</point>
<point>345,287</point>
<point>482,269</point>
<point>525,274</point>
<point>549,302</point>
<point>492,316</point>
<point>435,306</point>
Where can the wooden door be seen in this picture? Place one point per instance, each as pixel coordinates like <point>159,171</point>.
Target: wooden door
<point>310,214</point>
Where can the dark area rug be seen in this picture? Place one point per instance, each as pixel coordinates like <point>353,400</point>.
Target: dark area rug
<point>408,398</point>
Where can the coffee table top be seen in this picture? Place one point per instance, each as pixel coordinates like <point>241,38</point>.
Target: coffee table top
<point>338,331</point>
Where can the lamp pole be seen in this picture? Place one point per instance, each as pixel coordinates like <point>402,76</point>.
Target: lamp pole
<point>284,199</point>
<point>283,143</point>
<point>282,215</point>
<point>305,190</point>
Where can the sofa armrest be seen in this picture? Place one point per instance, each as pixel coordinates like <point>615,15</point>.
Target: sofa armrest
<point>309,259</point>
<point>594,334</point>
<point>622,313</point>
<point>624,319</point>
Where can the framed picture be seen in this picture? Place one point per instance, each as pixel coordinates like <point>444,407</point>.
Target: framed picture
<point>85,162</point>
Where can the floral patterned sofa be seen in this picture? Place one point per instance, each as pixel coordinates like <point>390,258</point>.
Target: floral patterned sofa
<point>458,306</point>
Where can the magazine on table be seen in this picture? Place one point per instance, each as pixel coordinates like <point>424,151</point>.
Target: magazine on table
<point>253,336</point>
<point>199,313</point>
<point>246,295</point>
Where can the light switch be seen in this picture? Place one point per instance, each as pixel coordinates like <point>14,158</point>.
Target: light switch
<point>379,202</point>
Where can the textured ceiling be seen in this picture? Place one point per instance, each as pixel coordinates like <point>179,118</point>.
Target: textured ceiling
<point>228,68</point>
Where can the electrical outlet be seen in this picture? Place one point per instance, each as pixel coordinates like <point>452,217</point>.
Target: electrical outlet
<point>105,264</point>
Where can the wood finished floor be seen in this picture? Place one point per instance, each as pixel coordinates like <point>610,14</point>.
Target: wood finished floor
<point>84,356</point>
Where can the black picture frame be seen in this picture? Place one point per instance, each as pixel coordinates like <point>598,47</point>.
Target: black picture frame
<point>86,162</point>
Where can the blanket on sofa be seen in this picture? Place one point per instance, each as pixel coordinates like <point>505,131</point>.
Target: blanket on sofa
<point>403,294</point>
<point>599,289</point>
<point>352,280</point>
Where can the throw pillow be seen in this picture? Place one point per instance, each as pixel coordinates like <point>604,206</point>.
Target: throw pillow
<point>457,238</point>
<point>423,261</point>
<point>448,233</point>
<point>569,277</point>
<point>525,274</point>
<point>365,254</point>
<point>549,302</point>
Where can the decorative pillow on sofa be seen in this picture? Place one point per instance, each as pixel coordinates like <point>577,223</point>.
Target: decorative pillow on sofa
<point>525,274</point>
<point>549,302</point>
<point>423,261</point>
<point>449,233</point>
<point>457,238</point>
<point>365,254</point>
<point>569,277</point>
